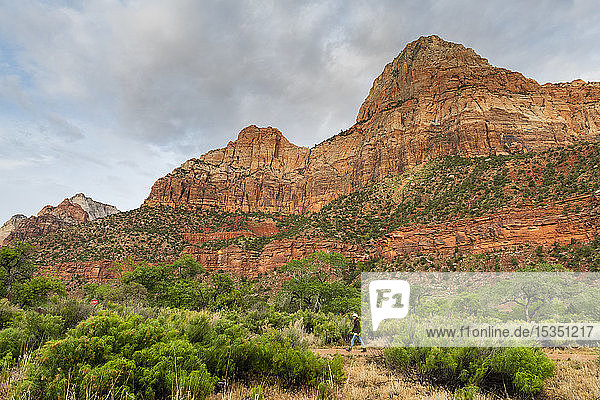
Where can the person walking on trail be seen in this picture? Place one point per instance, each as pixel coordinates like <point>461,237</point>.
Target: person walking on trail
<point>356,333</point>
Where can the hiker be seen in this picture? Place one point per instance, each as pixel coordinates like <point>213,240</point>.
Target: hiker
<point>356,333</point>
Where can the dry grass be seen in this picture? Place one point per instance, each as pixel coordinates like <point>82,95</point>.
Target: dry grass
<point>365,379</point>
<point>368,379</point>
<point>574,380</point>
<point>9,376</point>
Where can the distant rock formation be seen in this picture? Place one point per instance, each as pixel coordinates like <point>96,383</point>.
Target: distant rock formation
<point>436,98</point>
<point>76,210</point>
<point>10,226</point>
<point>94,209</point>
<point>261,170</point>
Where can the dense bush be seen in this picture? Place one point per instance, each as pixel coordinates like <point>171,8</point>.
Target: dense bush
<point>522,369</point>
<point>164,357</point>
<point>128,357</point>
<point>36,291</point>
<point>8,312</point>
<point>13,342</point>
<point>72,310</point>
<point>39,327</point>
<point>27,331</point>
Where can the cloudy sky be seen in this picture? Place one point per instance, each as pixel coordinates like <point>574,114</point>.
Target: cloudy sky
<point>104,97</point>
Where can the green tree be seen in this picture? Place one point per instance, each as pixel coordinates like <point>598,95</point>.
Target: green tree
<point>311,288</point>
<point>151,276</point>
<point>15,267</point>
<point>188,267</point>
<point>36,291</point>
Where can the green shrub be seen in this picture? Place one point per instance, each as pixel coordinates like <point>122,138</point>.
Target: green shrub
<point>8,313</point>
<point>198,329</point>
<point>173,364</point>
<point>176,353</point>
<point>526,367</point>
<point>29,330</point>
<point>13,343</point>
<point>71,310</point>
<point>39,328</point>
<point>234,353</point>
<point>125,357</point>
<point>522,369</point>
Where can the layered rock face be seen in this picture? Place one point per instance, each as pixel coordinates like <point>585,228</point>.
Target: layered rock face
<point>67,212</point>
<point>261,170</point>
<point>509,229</point>
<point>76,210</point>
<point>91,271</point>
<point>436,98</point>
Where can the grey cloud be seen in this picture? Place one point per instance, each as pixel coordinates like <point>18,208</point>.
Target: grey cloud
<point>185,70</point>
<point>55,125</point>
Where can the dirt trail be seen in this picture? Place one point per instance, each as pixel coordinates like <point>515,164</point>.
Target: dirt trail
<point>579,354</point>
<point>575,354</point>
<point>331,351</point>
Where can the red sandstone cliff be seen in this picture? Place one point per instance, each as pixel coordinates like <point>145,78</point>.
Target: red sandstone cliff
<point>436,98</point>
<point>261,170</point>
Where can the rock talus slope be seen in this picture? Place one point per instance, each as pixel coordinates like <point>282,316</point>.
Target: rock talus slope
<point>436,98</point>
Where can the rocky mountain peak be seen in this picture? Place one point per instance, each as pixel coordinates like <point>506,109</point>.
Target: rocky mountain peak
<point>71,211</point>
<point>253,133</point>
<point>435,99</point>
<point>66,211</point>
<point>93,208</point>
<point>435,51</point>
<point>10,226</point>
<point>426,64</point>
<point>258,148</point>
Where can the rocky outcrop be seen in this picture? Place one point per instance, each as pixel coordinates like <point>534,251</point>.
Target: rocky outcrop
<point>77,272</point>
<point>254,230</point>
<point>531,226</point>
<point>36,226</point>
<point>10,226</point>
<point>261,170</point>
<point>508,229</point>
<point>436,98</point>
<point>76,210</point>
<point>94,209</point>
<point>66,212</point>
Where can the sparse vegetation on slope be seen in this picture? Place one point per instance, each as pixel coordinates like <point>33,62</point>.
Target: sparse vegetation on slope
<point>460,187</point>
<point>146,233</point>
<point>447,188</point>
